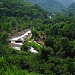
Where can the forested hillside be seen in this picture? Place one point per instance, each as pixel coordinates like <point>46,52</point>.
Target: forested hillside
<point>18,14</point>
<point>56,56</point>
<point>66,2</point>
<point>71,9</point>
<point>48,5</point>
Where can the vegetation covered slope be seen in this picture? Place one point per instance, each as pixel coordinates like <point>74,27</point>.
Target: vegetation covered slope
<point>72,6</point>
<point>49,5</point>
<point>66,2</point>
<point>16,14</point>
<point>57,55</point>
<point>71,9</point>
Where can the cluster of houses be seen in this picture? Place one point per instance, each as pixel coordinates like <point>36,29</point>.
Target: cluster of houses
<point>17,41</point>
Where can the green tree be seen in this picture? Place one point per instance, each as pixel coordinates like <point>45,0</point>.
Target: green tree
<point>3,38</point>
<point>25,47</point>
<point>49,42</point>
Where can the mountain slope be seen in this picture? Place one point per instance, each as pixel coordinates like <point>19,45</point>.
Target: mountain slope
<point>49,5</point>
<point>71,9</point>
<point>72,5</point>
<point>18,15</point>
<point>66,3</point>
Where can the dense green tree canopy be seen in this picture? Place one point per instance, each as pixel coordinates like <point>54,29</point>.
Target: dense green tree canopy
<point>55,57</point>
